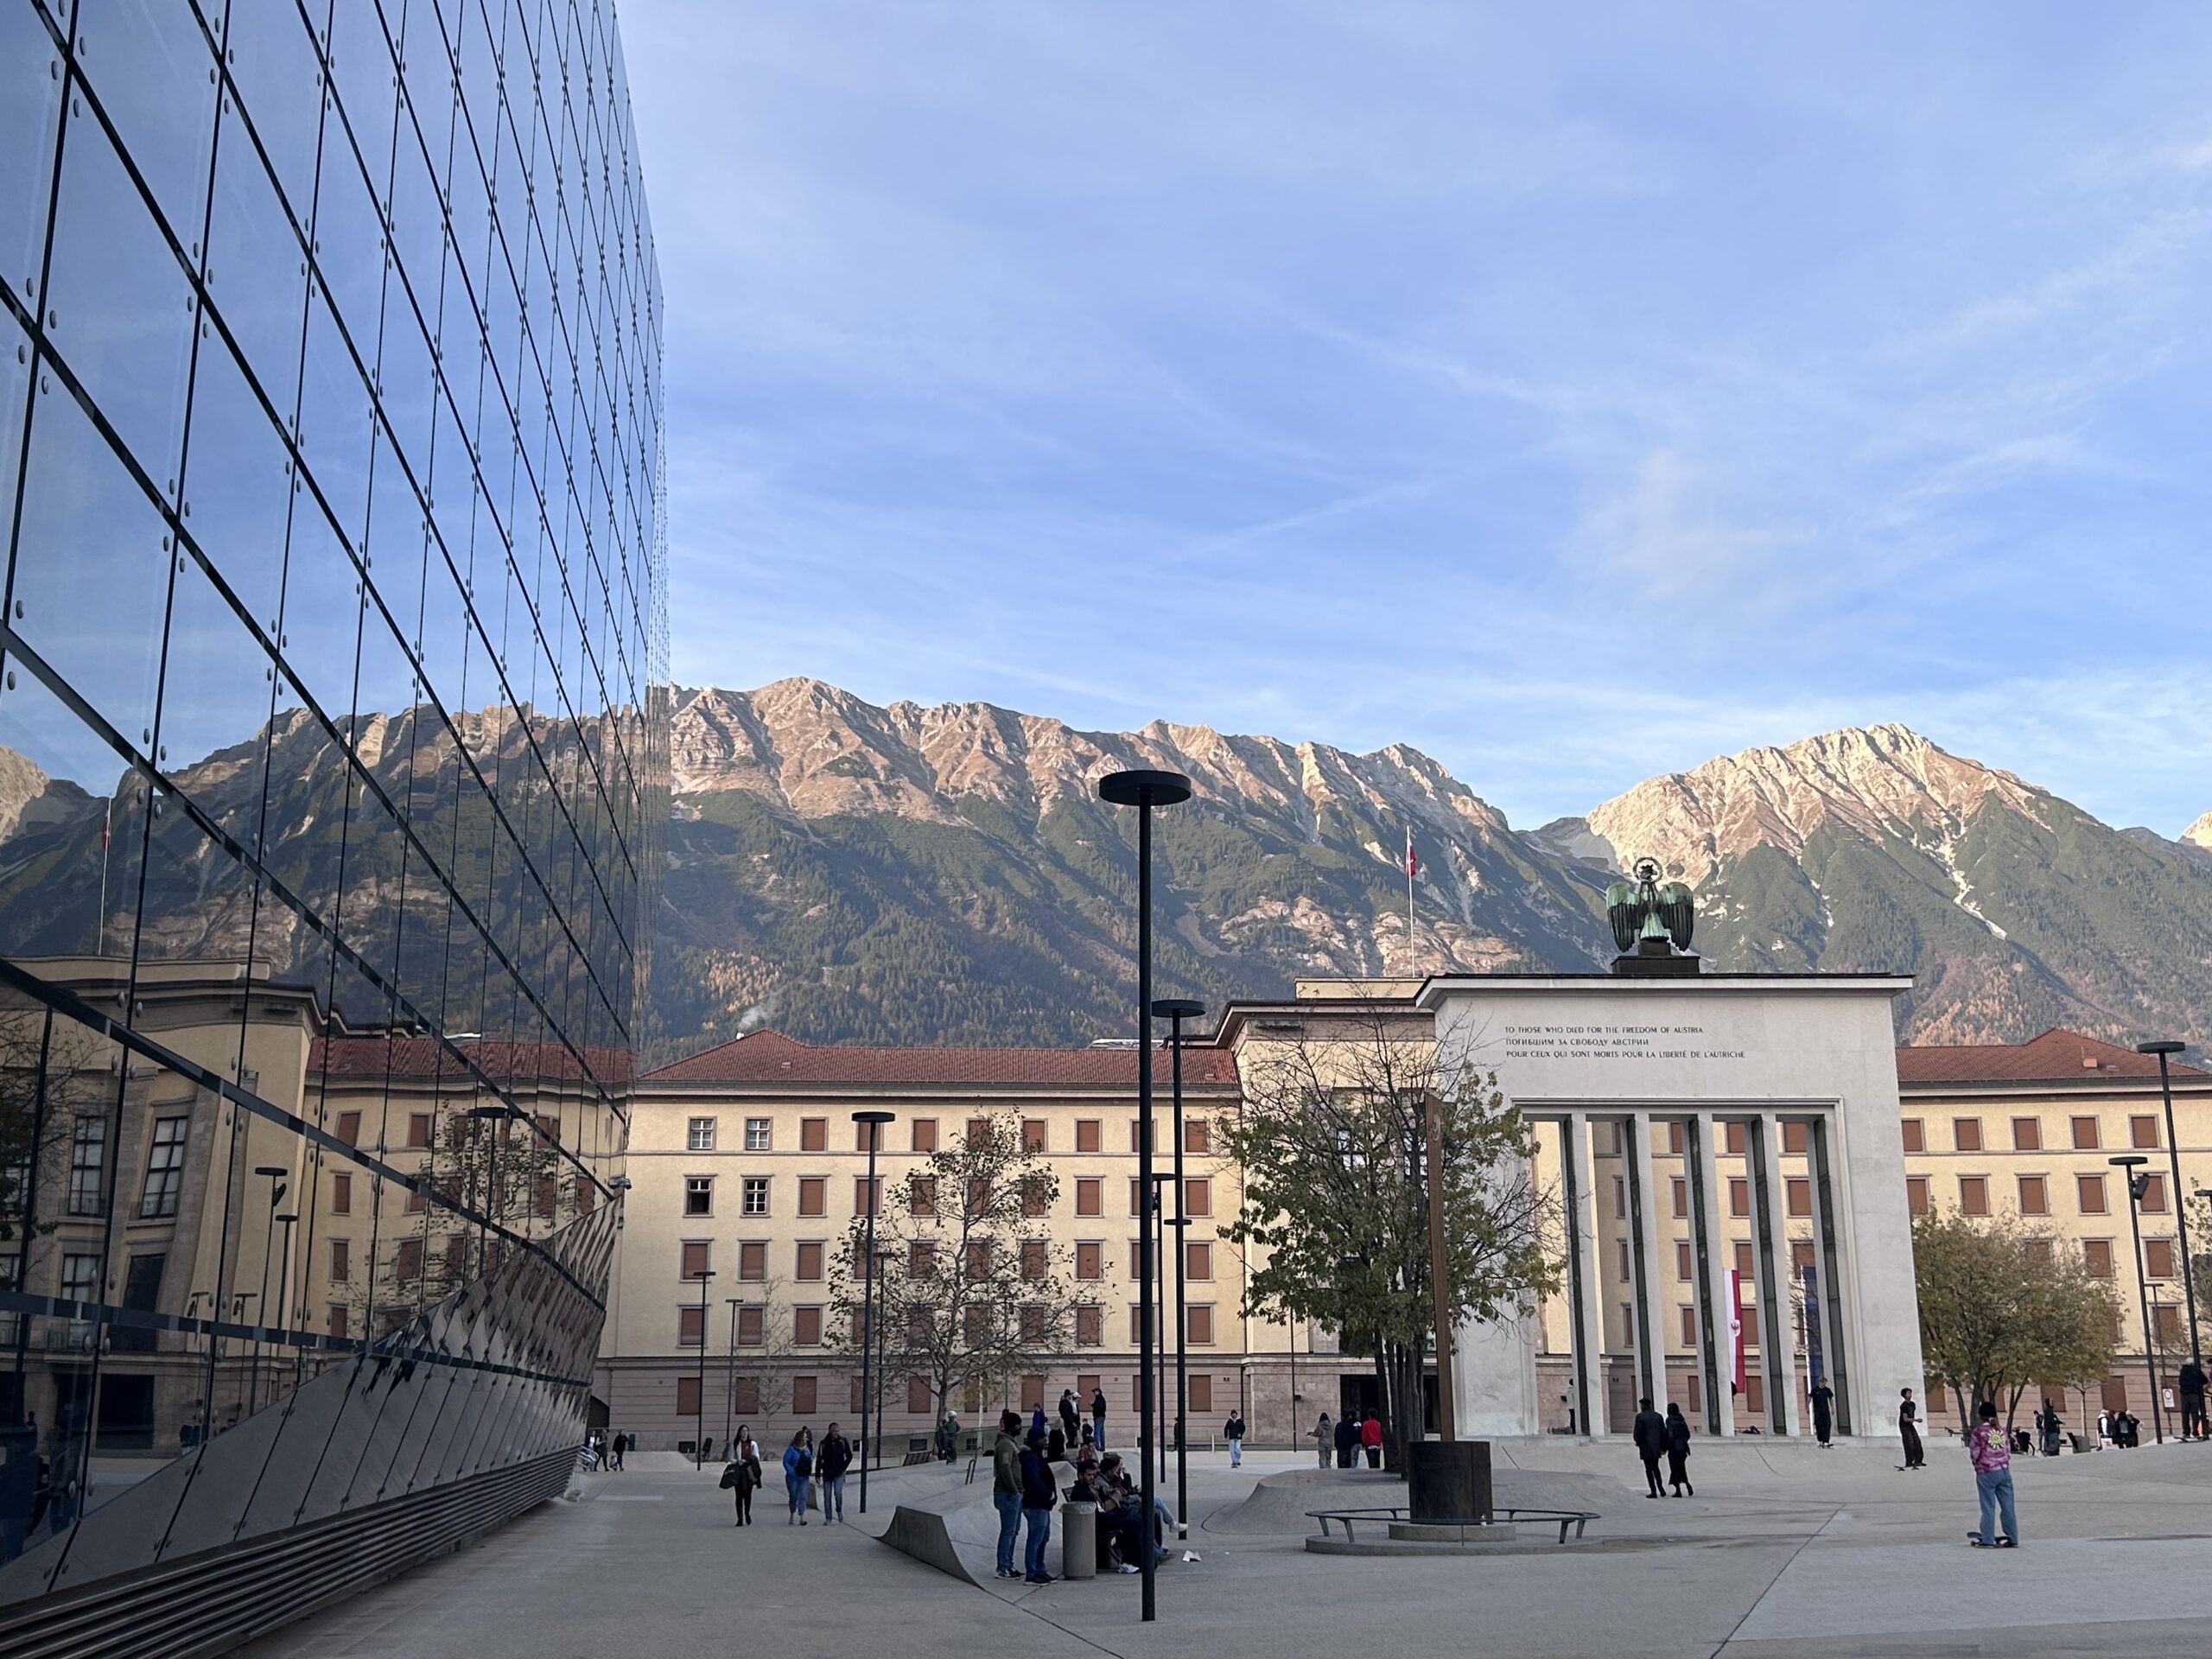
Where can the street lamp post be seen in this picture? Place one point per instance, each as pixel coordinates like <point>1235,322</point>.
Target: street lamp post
<point>729,1382</point>
<point>699,1399</point>
<point>275,1172</point>
<point>2137,1183</point>
<point>1144,791</point>
<point>2162,1048</point>
<point>283,1300</point>
<point>490,1114</point>
<point>873,1123</point>
<point>1176,1010</point>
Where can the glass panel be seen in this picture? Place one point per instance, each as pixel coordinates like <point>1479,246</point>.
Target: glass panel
<point>152,68</point>
<point>255,269</point>
<point>273,63</point>
<point>30,110</point>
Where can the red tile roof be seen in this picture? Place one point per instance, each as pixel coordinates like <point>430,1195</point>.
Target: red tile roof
<point>387,1054</point>
<point>2057,1055</point>
<point>771,1056</point>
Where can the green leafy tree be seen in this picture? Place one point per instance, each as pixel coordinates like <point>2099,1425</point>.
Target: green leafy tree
<point>1331,1142</point>
<point>2004,1307</point>
<point>970,1286</point>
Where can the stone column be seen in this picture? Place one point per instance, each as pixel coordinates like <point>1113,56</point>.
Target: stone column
<point>1828,1257</point>
<point>1643,1259</point>
<point>1579,1172</point>
<point>1709,1261</point>
<point>1771,1249</point>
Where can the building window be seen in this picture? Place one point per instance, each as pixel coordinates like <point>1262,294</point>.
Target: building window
<point>1090,1260</point>
<point>864,1134</point>
<point>806,1264</point>
<point>1679,1190</point>
<point>342,1194</point>
<point>1793,1135</point>
<point>1620,1193</point>
<point>87,1159</point>
<point>1033,1134</point>
<point>1916,1194</point>
<point>814,1135</point>
<point>2143,1131</point>
<point>2096,1256</point>
<point>698,1257</point>
<point>979,1130</point>
<point>1136,1324</point>
<point>750,1325</point>
<point>687,1396</point>
<point>1136,1196</point>
<point>2159,1258</point>
<point>1973,1195</point>
<point>979,1259</point>
<point>753,1261</point>
<point>418,1131</point>
<point>805,1392</point>
<point>164,1170</point>
<point>1965,1134</point>
<point>2086,1138</point>
<point>813,1195</point>
<point>1136,1258</point>
<point>1034,1195</point>
<point>1201,1324</point>
<point>1744,1263</point>
<point>699,1135</point>
<point>1689,1328</point>
<point>868,1196</point>
<point>2038,1250</point>
<point>336,1325</point>
<point>806,1327</point>
<point>1799,1190</point>
<point>1035,1258</point>
<point>925,1134</point>
<point>1739,1196</point>
<point>2035,1197</point>
<point>1749,1316</point>
<point>758,1135</point>
<point>1197,1195</point>
<point>1086,1134</point>
<point>921,1259</point>
<point>921,1195</point>
<point>1089,1195</point>
<point>1089,1325</point>
<point>698,1195</point>
<point>1915,1139</point>
<point>2154,1193</point>
<point>1733,1131</point>
<point>418,1200</point>
<point>349,1127</point>
<point>691,1326</point>
<point>407,1261</point>
<point>919,1400</point>
<point>1032,1326</point>
<point>1198,1136</point>
<point>1682,1269</point>
<point>1197,1259</point>
<point>2091,1190</point>
<point>2027,1134</point>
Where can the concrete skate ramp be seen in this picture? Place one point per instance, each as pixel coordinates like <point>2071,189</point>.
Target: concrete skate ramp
<point>954,1531</point>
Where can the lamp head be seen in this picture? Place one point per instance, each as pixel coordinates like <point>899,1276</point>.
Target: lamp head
<point>2163,1045</point>
<point>1177,1007</point>
<point>1144,788</point>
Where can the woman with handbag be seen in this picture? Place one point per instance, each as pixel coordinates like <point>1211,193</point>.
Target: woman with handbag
<point>741,1474</point>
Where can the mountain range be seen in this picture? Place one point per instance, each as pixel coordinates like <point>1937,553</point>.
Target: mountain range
<point>846,872</point>
<point>902,873</point>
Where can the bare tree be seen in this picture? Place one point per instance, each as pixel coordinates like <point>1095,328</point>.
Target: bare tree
<point>1331,1142</point>
<point>42,1055</point>
<point>969,1283</point>
<point>759,1353</point>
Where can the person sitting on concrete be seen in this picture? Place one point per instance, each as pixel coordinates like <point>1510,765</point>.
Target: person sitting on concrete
<point>1651,1445</point>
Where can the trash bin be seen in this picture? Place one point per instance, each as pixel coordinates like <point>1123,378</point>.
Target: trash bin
<point>1078,1541</point>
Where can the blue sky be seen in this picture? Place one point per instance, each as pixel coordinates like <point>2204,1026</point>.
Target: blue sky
<point>1574,393</point>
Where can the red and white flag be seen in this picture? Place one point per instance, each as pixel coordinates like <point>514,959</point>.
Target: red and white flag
<point>106,817</point>
<point>1413,859</point>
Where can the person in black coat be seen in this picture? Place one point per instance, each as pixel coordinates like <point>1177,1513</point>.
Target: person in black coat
<point>1347,1441</point>
<point>1071,1417</point>
<point>1678,1452</point>
<point>1908,1426</point>
<point>1651,1445</point>
<point>1823,1409</point>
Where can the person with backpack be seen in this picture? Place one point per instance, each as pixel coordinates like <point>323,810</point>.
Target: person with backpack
<point>1040,1493</point>
<point>1233,1431</point>
<point>741,1474</point>
<point>836,1457</point>
<point>1347,1441</point>
<point>799,1475</point>
<point>1991,1457</point>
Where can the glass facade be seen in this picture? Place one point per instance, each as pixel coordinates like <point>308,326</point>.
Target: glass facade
<point>334,750</point>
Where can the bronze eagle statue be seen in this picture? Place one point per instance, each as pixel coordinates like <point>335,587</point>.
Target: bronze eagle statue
<point>1648,908</point>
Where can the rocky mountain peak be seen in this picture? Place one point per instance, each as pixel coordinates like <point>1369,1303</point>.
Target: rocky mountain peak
<point>2200,833</point>
<point>1868,779</point>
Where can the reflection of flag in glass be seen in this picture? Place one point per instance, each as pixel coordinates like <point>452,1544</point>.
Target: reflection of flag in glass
<point>1736,1328</point>
<point>107,816</point>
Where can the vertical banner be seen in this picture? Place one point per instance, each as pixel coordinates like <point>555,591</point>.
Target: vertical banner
<point>1736,1329</point>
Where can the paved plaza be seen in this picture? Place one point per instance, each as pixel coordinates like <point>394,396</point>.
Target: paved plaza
<point>1786,1550</point>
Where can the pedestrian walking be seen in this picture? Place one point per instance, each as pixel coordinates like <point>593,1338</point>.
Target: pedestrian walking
<point>1040,1493</point>
<point>1823,1410</point>
<point>1233,1431</point>
<point>2194,1424</point>
<point>830,1464</point>
<point>741,1474</point>
<point>1992,1478</point>
<point>1098,1418</point>
<point>2052,1428</point>
<point>1347,1441</point>
<point>1037,1425</point>
<point>1325,1439</point>
<point>799,1475</point>
<point>1650,1446</point>
<point>1370,1439</point>
<point>1006,1489</point>
<point>1070,1416</point>
<point>1678,1452</point>
<point>1916,1455</point>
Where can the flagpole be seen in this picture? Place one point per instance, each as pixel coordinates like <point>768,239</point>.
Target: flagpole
<point>1410,896</point>
<point>107,819</point>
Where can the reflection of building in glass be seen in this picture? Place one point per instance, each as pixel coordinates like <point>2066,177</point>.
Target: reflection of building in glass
<point>333,759</point>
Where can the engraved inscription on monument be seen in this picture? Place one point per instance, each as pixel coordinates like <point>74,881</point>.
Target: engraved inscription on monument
<point>1613,1042</point>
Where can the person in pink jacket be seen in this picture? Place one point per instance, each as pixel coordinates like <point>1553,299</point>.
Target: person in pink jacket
<point>1993,1479</point>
